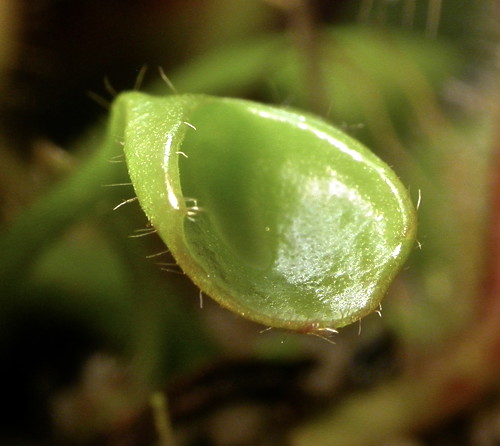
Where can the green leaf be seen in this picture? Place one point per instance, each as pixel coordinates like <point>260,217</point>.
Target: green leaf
<point>274,213</point>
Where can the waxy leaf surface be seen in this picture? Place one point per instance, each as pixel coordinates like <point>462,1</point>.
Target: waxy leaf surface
<point>275,214</point>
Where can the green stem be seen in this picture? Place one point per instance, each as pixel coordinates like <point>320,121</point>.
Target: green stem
<point>162,419</point>
<point>65,204</point>
<point>307,41</point>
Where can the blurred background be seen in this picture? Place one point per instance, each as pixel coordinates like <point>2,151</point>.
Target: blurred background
<point>101,343</point>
